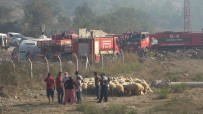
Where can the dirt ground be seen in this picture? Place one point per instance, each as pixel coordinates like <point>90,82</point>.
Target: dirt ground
<point>189,101</point>
<point>36,103</point>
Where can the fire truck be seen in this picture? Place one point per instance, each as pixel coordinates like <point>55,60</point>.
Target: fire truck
<point>93,48</point>
<point>134,41</point>
<point>174,40</point>
<point>60,45</point>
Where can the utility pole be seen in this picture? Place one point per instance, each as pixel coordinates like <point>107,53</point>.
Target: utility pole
<point>187,21</point>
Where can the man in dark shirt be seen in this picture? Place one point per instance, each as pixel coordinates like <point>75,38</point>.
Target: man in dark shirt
<point>97,87</point>
<point>50,87</point>
<point>59,87</point>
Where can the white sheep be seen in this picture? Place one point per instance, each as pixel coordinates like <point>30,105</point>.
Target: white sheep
<point>119,89</point>
<point>135,88</point>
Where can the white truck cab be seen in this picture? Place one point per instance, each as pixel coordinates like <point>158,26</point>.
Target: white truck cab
<point>3,41</point>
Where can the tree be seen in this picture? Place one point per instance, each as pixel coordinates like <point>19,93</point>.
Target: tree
<point>84,17</point>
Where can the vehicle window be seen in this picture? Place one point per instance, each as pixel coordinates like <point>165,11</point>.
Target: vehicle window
<point>134,37</point>
<point>30,43</point>
<point>10,35</point>
<point>143,36</point>
<point>18,36</point>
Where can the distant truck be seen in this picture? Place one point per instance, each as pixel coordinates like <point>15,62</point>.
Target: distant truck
<point>95,47</point>
<point>3,41</point>
<point>16,38</point>
<point>32,47</point>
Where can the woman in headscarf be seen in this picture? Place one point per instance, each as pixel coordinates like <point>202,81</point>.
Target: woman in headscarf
<point>70,90</point>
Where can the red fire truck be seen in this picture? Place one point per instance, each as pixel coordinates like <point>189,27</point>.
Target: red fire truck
<point>60,45</point>
<point>95,47</point>
<point>175,40</point>
<point>134,41</point>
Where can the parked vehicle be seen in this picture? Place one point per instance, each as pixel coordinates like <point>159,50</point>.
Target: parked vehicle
<point>31,46</point>
<point>16,38</point>
<point>169,39</point>
<point>134,41</point>
<point>3,41</point>
<point>59,45</point>
<point>95,47</point>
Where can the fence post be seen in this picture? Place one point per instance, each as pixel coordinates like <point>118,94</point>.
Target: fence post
<point>47,63</point>
<point>2,111</point>
<point>76,62</point>
<point>122,55</point>
<point>31,74</point>
<point>102,59</point>
<point>13,67</point>
<point>60,64</point>
<point>87,62</point>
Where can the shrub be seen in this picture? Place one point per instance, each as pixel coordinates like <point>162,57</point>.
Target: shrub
<point>163,93</point>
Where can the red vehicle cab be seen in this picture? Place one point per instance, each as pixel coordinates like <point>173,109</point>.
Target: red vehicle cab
<point>133,41</point>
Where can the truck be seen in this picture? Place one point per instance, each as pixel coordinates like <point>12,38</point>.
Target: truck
<point>31,46</point>
<point>59,45</point>
<point>134,41</point>
<point>173,40</point>
<point>93,48</point>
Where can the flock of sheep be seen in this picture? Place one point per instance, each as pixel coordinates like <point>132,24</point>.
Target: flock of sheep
<point>119,86</point>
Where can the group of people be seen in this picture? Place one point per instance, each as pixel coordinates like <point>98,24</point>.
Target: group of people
<point>72,88</point>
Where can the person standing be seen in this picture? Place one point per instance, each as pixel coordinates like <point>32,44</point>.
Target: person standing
<point>65,78</point>
<point>77,75</point>
<point>70,91</point>
<point>78,89</point>
<point>59,87</point>
<point>50,87</point>
<point>97,87</point>
<point>104,82</point>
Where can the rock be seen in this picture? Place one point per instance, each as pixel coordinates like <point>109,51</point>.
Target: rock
<point>15,97</point>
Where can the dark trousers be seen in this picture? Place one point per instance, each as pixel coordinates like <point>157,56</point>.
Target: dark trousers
<point>60,94</point>
<point>78,94</point>
<point>97,89</point>
<point>104,93</point>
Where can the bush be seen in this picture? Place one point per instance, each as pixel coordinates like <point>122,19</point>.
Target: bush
<point>163,93</point>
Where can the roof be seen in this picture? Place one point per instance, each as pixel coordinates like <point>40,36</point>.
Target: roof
<point>2,34</point>
<point>13,33</point>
